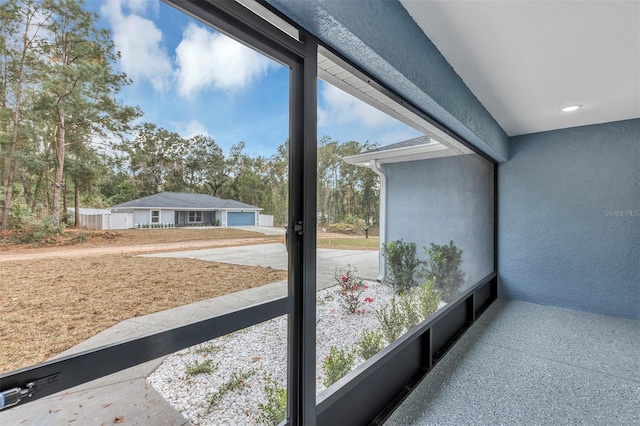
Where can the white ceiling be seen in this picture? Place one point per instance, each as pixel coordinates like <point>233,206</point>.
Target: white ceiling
<point>524,60</point>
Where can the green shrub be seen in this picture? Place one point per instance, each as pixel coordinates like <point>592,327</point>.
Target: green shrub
<point>40,232</point>
<point>391,320</point>
<point>354,220</point>
<point>409,306</point>
<point>428,298</point>
<point>20,216</point>
<point>443,268</point>
<point>336,365</point>
<point>403,265</point>
<point>274,410</point>
<point>407,310</point>
<point>346,228</point>
<point>370,343</point>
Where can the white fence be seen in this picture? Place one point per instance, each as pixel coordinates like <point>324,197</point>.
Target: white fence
<point>102,221</point>
<point>265,220</point>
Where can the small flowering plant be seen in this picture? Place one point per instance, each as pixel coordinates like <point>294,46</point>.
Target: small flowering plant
<point>350,289</point>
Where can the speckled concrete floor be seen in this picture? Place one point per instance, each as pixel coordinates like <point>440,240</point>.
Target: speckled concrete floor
<point>523,363</point>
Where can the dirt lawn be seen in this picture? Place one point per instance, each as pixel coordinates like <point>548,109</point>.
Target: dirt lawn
<point>54,297</point>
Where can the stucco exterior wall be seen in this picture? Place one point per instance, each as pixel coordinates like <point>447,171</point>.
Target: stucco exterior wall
<point>144,216</point>
<point>141,216</point>
<point>569,228</point>
<point>443,199</point>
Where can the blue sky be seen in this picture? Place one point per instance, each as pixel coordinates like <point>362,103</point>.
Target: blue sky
<point>190,79</point>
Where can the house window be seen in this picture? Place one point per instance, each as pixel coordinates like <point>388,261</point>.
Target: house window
<point>195,216</point>
<point>155,216</point>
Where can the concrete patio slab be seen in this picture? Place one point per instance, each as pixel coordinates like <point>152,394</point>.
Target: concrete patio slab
<point>523,363</point>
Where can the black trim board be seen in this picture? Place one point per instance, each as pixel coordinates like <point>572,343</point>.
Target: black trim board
<point>73,370</point>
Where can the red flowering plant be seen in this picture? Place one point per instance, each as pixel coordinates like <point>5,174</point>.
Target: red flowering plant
<point>350,289</point>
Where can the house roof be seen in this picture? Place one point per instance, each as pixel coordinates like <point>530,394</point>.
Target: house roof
<point>420,148</point>
<point>183,200</point>
<point>422,140</point>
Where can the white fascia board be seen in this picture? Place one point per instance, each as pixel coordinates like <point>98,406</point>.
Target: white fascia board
<point>394,155</point>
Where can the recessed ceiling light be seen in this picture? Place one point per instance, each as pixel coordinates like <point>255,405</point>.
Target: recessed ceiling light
<point>571,108</point>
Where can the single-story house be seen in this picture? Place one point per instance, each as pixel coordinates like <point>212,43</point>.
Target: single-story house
<point>184,209</point>
<point>454,201</point>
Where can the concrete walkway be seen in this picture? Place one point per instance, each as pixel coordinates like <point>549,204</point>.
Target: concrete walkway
<point>126,395</point>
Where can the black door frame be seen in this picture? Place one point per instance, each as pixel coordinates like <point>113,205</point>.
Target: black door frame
<point>300,56</point>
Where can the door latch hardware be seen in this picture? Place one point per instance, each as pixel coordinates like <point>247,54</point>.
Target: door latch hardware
<point>13,396</point>
<point>297,227</point>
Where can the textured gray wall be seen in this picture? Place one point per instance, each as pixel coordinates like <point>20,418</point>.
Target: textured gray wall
<point>382,38</point>
<point>443,199</point>
<point>569,230</point>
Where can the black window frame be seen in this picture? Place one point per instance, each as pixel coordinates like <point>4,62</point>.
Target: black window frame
<point>156,217</point>
<point>197,214</point>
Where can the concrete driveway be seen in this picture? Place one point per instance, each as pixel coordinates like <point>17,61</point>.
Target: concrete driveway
<point>266,230</point>
<point>275,256</point>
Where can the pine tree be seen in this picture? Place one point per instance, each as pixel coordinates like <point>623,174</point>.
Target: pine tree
<point>80,83</point>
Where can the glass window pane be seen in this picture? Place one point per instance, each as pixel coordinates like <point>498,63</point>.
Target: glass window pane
<point>348,210</point>
<point>405,221</point>
<point>208,146</point>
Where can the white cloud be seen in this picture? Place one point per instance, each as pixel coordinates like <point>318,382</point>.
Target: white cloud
<point>190,129</point>
<point>211,60</point>
<point>342,108</point>
<point>138,6</point>
<point>139,41</point>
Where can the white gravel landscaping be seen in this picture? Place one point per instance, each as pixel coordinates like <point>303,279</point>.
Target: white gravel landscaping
<point>258,350</point>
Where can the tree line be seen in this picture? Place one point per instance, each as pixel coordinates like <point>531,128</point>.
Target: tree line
<point>66,140</point>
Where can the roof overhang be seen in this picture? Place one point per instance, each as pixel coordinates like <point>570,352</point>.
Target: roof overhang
<point>337,72</point>
<point>432,149</point>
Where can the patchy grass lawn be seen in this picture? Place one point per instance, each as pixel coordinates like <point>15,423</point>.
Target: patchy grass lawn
<point>348,243</point>
<point>51,305</point>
